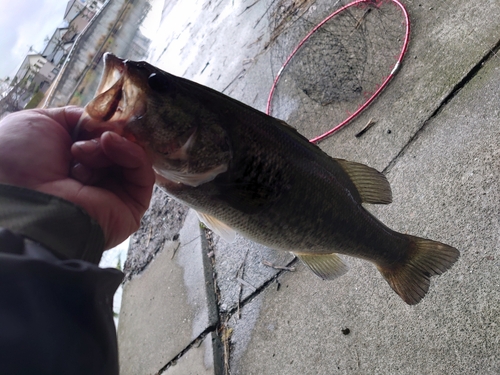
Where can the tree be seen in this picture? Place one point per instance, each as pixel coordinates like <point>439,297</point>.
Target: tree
<point>18,95</point>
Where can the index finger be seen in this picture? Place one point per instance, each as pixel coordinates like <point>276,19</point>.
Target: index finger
<point>66,116</point>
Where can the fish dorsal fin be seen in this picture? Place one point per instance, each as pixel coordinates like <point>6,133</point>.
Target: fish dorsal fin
<point>326,266</point>
<point>372,185</point>
<point>223,230</point>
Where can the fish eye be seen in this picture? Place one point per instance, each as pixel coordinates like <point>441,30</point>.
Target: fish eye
<point>158,82</point>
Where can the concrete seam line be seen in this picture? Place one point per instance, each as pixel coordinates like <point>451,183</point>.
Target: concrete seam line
<point>453,92</point>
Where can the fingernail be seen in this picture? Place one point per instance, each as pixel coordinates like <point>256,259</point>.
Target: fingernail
<point>87,146</point>
<point>81,173</point>
<point>116,138</point>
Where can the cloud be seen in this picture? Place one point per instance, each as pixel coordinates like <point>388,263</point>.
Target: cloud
<point>25,23</point>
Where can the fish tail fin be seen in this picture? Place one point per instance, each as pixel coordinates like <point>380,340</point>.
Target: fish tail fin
<point>411,279</point>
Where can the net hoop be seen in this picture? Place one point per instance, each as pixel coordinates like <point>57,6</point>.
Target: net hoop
<point>394,69</point>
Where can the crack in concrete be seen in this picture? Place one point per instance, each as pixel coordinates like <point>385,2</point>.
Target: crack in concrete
<point>212,294</point>
<point>257,291</point>
<point>227,315</point>
<point>195,343</point>
<point>224,317</point>
<point>492,53</point>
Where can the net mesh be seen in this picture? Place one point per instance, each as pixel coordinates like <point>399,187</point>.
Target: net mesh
<point>339,67</point>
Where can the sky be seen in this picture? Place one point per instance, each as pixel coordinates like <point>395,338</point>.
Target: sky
<point>25,23</point>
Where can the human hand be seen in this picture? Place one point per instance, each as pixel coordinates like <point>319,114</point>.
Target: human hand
<point>112,179</point>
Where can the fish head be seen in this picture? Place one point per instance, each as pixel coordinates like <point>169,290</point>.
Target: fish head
<point>153,109</point>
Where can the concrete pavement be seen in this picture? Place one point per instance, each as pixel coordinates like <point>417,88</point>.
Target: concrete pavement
<point>436,138</point>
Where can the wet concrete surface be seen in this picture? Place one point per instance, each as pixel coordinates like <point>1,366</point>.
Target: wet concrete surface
<point>160,224</point>
<point>198,360</point>
<point>436,140</point>
<point>455,329</point>
<point>168,306</point>
<point>240,273</point>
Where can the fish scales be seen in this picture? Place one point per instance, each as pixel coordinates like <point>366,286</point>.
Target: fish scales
<point>296,182</point>
<point>244,171</point>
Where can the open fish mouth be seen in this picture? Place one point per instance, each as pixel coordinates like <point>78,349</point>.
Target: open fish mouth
<point>118,100</point>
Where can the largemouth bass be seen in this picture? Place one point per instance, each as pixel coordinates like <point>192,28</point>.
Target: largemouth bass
<point>244,171</point>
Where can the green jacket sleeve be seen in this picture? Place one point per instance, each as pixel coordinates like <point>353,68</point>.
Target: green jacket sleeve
<point>59,225</point>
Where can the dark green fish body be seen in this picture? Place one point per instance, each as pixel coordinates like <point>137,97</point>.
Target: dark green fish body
<point>284,192</point>
<point>245,171</point>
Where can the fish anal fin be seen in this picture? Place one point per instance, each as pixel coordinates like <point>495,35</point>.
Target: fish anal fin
<point>223,230</point>
<point>411,279</point>
<point>326,266</point>
<point>372,185</point>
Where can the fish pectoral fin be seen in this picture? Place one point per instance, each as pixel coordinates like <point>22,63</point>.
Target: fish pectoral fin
<point>326,266</point>
<point>223,230</point>
<point>183,152</point>
<point>411,278</point>
<point>372,185</point>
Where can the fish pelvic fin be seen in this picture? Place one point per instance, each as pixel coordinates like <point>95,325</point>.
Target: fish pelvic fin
<point>326,266</point>
<point>217,226</point>
<point>371,185</point>
<point>411,280</point>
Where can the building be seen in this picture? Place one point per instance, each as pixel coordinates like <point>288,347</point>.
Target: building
<point>36,73</point>
<point>57,48</point>
<point>77,15</point>
<point>4,87</point>
<point>44,77</point>
<point>76,7</point>
<point>29,68</point>
<point>38,70</point>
